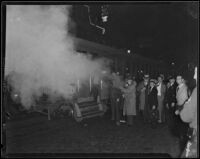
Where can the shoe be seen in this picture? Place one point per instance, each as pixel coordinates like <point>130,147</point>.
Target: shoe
<point>122,121</point>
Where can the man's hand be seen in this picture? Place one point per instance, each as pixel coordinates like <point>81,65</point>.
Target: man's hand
<point>173,104</point>
<point>143,89</point>
<point>154,107</point>
<point>167,106</point>
<point>177,112</point>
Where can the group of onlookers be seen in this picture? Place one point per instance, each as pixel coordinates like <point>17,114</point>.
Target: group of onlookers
<point>171,103</point>
<point>151,99</point>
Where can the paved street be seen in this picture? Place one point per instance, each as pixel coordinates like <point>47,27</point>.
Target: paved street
<point>33,133</point>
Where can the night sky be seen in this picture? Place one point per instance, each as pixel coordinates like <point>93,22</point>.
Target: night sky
<point>164,31</point>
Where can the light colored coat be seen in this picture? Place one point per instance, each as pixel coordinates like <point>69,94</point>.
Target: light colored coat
<point>160,99</point>
<point>181,94</point>
<point>163,91</point>
<point>130,100</point>
<point>189,112</point>
<point>141,91</point>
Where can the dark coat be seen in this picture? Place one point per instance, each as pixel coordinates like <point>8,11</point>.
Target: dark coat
<point>152,98</point>
<point>115,93</point>
<point>143,95</point>
<point>170,96</point>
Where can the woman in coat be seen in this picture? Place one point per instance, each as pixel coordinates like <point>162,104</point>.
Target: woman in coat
<point>130,101</point>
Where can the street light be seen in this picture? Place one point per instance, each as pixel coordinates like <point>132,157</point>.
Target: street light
<point>104,13</point>
<point>91,23</point>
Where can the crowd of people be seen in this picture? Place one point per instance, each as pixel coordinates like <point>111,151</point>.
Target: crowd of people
<point>166,103</point>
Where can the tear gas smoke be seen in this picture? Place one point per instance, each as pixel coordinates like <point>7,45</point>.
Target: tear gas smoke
<point>117,80</point>
<point>40,53</point>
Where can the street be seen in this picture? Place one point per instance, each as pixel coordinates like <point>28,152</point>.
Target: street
<point>33,133</point>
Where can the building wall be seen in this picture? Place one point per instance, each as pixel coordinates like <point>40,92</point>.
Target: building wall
<point>121,59</point>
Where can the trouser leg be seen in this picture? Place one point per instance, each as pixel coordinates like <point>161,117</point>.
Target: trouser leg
<point>112,109</point>
<point>117,112</point>
<point>145,115</point>
<point>175,125</point>
<point>153,118</point>
<point>163,115</point>
<point>160,108</point>
<point>142,113</point>
<point>182,129</point>
<point>130,119</point>
<point>172,116</point>
<point>184,138</point>
<point>167,116</point>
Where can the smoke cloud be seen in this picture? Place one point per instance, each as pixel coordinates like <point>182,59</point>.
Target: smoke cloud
<point>40,53</point>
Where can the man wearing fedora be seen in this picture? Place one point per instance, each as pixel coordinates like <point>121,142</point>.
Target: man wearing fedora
<point>170,102</point>
<point>130,100</point>
<point>161,94</point>
<point>116,97</point>
<point>143,97</point>
<point>153,103</point>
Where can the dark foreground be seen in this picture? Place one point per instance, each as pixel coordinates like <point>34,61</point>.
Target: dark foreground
<point>33,133</point>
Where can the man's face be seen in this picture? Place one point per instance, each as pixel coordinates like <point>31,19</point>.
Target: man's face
<point>172,81</point>
<point>113,73</point>
<point>159,79</point>
<point>146,81</point>
<point>179,79</point>
<point>152,84</point>
<point>195,73</point>
<point>129,82</point>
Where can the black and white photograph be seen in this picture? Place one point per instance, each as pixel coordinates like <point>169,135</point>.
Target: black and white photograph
<point>99,79</point>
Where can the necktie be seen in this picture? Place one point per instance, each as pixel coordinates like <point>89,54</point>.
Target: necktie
<point>177,89</point>
<point>149,90</point>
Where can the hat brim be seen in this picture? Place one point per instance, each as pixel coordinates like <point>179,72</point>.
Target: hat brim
<point>129,79</point>
<point>153,81</point>
<point>171,78</point>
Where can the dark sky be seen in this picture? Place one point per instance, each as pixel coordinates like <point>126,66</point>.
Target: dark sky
<point>165,31</point>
